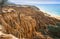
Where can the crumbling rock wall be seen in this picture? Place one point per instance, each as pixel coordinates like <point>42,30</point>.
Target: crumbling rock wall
<point>25,22</point>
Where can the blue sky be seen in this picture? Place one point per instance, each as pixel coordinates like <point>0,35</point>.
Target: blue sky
<point>49,6</point>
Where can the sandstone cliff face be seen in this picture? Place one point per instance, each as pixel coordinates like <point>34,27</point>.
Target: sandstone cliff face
<point>25,23</point>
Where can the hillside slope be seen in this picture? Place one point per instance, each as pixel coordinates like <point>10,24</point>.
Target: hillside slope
<point>26,22</point>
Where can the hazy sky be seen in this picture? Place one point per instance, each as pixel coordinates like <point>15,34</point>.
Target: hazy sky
<point>36,1</point>
<point>50,6</point>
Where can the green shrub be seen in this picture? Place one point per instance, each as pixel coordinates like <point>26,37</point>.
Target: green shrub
<point>54,30</point>
<point>58,24</point>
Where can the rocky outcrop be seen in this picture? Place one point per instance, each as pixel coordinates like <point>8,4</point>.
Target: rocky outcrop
<point>26,22</point>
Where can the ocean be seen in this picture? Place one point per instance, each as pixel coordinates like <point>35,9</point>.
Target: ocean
<point>53,9</point>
